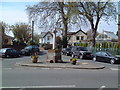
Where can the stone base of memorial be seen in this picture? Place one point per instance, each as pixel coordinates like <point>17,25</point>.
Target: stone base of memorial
<point>54,56</point>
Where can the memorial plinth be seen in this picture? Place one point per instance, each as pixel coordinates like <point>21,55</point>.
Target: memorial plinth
<point>55,56</point>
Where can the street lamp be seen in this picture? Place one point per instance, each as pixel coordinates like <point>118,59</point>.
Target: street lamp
<point>32,29</point>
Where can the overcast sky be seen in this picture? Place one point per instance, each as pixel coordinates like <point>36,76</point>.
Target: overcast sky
<point>14,12</point>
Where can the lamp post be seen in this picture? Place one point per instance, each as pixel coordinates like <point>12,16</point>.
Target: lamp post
<point>119,23</point>
<point>32,29</point>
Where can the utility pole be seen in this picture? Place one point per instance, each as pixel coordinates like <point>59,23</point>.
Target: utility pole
<point>119,23</point>
<point>32,30</point>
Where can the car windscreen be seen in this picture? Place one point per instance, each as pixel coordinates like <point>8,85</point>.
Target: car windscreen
<point>83,49</point>
<point>68,49</point>
<point>14,51</point>
<point>2,50</point>
<point>28,47</point>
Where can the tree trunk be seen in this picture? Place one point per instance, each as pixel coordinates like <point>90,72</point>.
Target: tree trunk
<point>65,34</point>
<point>93,31</point>
<point>65,23</point>
<point>119,30</point>
<point>94,36</point>
<point>94,28</point>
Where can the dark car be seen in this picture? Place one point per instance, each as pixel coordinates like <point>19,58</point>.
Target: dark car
<point>105,57</point>
<point>9,52</point>
<point>66,51</point>
<point>29,50</point>
<point>81,52</point>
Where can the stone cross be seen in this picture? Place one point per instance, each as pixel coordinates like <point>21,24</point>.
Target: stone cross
<point>54,39</point>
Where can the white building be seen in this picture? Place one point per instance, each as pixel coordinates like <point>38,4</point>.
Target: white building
<point>46,38</point>
<point>106,36</point>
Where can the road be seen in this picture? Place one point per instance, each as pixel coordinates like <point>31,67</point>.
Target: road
<point>34,77</point>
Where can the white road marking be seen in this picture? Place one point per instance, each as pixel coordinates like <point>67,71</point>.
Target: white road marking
<point>57,68</point>
<point>116,69</point>
<point>45,68</point>
<point>7,68</point>
<point>57,86</point>
<point>102,87</point>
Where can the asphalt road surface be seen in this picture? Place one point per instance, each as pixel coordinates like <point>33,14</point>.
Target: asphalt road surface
<point>34,77</point>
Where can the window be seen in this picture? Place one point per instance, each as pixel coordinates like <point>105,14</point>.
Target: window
<point>48,37</point>
<point>83,49</point>
<point>98,54</point>
<point>48,42</point>
<point>104,54</point>
<point>82,37</point>
<point>77,37</point>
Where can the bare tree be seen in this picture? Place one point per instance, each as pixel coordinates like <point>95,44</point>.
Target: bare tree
<point>59,14</point>
<point>52,15</point>
<point>94,12</point>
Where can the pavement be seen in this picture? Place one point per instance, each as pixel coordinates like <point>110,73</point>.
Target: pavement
<point>64,64</point>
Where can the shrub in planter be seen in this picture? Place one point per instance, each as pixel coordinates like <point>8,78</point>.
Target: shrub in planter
<point>73,61</point>
<point>34,58</point>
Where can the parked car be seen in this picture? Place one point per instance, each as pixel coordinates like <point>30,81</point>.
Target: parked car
<point>9,52</point>
<point>29,49</point>
<point>105,57</point>
<point>66,51</point>
<point>81,52</point>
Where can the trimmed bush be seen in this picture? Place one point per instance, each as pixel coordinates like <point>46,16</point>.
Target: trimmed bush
<point>97,45</point>
<point>116,46</point>
<point>83,44</point>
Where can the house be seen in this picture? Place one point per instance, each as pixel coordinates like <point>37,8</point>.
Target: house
<point>8,40</point>
<point>106,36</point>
<point>76,37</point>
<point>73,37</point>
<point>46,38</point>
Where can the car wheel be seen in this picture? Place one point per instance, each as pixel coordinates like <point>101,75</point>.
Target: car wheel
<point>19,55</point>
<point>112,61</point>
<point>81,57</point>
<point>73,56</point>
<point>7,56</point>
<point>94,58</point>
<point>66,54</point>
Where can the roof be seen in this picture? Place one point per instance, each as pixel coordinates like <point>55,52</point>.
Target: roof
<point>9,36</point>
<point>81,31</point>
<point>72,33</point>
<point>43,34</point>
<point>110,34</point>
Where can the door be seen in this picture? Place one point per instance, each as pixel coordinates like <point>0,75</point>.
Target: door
<point>105,57</point>
<point>98,56</point>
